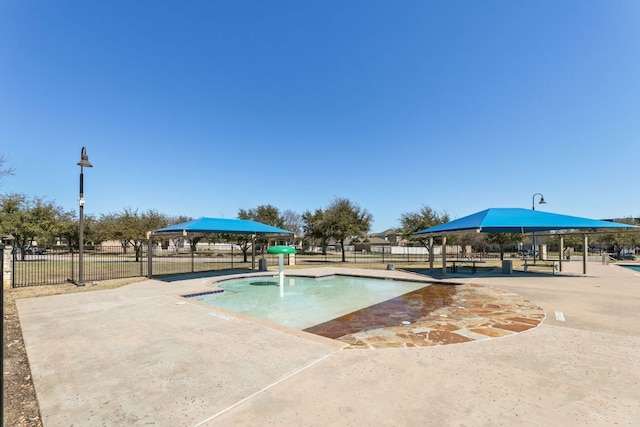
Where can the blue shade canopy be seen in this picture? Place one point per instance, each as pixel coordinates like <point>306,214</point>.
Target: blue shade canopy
<point>517,220</point>
<point>221,225</point>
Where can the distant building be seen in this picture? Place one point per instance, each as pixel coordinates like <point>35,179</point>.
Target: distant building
<point>371,244</point>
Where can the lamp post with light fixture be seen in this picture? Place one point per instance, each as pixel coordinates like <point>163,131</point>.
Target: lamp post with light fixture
<point>533,207</point>
<point>84,162</point>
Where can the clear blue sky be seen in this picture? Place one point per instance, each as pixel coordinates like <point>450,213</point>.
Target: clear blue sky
<point>202,108</point>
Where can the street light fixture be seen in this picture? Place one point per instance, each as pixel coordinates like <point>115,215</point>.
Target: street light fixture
<point>533,207</point>
<point>83,163</point>
<point>533,201</point>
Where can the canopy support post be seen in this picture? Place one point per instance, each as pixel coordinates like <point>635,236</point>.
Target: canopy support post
<point>585,252</point>
<point>430,253</point>
<point>253,251</point>
<point>561,253</point>
<point>444,256</point>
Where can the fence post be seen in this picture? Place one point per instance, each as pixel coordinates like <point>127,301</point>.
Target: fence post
<point>72,269</point>
<point>6,266</point>
<point>2,271</point>
<point>149,257</point>
<point>193,254</point>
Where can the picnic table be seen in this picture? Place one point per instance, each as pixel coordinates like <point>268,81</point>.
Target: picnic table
<point>552,263</point>
<point>455,263</point>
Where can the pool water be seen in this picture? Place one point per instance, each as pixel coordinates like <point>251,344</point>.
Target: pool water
<point>633,267</point>
<point>307,302</point>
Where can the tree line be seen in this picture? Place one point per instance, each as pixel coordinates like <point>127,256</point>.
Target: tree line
<point>32,219</point>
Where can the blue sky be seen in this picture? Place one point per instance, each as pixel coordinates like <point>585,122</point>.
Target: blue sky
<point>202,108</point>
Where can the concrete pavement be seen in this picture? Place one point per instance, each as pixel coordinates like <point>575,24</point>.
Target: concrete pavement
<point>140,355</point>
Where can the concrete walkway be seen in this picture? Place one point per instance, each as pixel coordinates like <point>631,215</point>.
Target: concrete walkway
<point>140,355</point>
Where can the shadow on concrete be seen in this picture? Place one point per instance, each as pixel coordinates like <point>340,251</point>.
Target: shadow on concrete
<point>465,273</point>
<point>203,274</point>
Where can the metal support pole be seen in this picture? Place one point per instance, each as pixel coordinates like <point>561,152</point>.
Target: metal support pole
<point>533,207</point>
<point>81,232</point>
<point>84,161</point>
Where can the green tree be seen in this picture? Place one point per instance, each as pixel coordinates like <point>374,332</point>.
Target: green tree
<point>130,227</point>
<point>68,229</point>
<point>617,242</point>
<point>266,214</point>
<point>243,241</point>
<point>315,227</point>
<point>571,240</point>
<point>345,219</point>
<point>503,239</point>
<point>28,220</point>
<point>477,241</point>
<point>426,217</point>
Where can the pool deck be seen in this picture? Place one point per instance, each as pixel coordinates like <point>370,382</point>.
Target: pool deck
<point>142,355</point>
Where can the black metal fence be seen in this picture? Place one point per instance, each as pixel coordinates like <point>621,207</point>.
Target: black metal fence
<point>60,265</point>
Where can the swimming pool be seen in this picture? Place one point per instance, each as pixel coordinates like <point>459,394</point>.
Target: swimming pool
<point>633,267</point>
<point>306,301</point>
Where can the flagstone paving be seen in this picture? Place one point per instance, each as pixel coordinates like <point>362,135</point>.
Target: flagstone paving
<point>435,315</point>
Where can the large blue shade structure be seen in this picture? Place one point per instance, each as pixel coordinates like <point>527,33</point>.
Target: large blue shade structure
<point>523,221</point>
<point>220,225</point>
<point>517,220</point>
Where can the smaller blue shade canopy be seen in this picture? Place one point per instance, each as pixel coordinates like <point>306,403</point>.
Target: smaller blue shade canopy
<point>518,220</point>
<point>221,225</point>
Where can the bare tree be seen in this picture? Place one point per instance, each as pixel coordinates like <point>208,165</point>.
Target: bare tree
<point>5,170</point>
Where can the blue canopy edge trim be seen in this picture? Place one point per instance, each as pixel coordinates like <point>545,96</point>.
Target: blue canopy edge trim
<point>518,220</point>
<point>220,225</point>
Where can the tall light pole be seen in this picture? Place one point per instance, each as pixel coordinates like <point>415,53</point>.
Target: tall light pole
<point>84,162</point>
<point>533,207</point>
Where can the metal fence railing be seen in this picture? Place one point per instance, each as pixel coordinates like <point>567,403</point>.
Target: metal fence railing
<point>60,265</point>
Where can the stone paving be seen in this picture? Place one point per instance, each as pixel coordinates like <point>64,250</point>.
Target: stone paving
<point>471,313</point>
